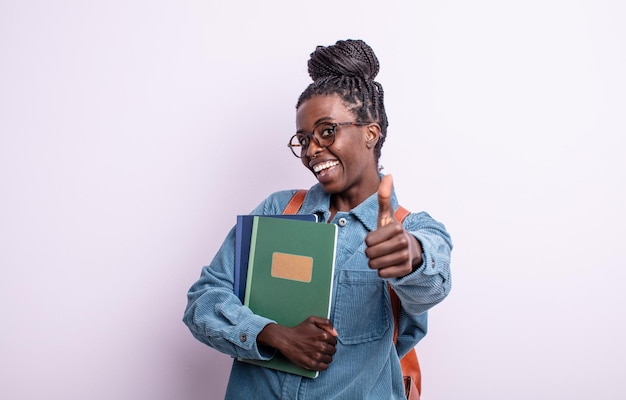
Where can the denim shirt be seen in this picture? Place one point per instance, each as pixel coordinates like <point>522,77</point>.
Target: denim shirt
<point>366,364</point>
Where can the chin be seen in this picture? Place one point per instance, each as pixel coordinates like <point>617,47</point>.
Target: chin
<point>331,189</point>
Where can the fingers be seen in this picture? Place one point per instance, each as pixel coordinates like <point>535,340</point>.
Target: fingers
<point>397,255</point>
<point>391,256</point>
<point>385,210</point>
<point>325,325</point>
<point>311,344</point>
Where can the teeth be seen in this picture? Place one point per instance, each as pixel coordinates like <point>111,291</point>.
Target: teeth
<point>325,165</point>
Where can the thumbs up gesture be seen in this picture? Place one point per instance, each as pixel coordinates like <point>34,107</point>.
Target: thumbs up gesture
<point>391,250</point>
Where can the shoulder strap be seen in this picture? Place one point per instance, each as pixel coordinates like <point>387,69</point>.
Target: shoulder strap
<point>411,370</point>
<point>401,214</point>
<point>296,202</point>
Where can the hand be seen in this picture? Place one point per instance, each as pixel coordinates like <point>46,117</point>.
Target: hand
<point>391,250</point>
<point>310,345</point>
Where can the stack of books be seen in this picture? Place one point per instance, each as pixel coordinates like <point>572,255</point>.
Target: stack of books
<point>284,268</point>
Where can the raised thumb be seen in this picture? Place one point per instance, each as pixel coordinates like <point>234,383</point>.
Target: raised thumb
<point>385,210</point>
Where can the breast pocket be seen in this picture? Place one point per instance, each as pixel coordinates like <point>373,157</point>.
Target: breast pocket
<point>362,310</point>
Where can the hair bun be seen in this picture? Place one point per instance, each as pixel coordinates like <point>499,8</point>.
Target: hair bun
<point>353,58</point>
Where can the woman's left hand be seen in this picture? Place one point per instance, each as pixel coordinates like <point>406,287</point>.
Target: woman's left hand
<point>391,250</point>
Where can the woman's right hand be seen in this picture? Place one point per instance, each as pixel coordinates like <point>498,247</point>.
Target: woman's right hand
<point>310,344</point>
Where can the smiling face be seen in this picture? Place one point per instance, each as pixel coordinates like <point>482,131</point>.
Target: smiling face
<point>348,167</point>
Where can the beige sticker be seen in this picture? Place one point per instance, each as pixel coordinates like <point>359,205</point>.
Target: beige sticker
<point>292,267</point>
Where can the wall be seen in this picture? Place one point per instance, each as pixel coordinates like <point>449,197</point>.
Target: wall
<point>131,133</point>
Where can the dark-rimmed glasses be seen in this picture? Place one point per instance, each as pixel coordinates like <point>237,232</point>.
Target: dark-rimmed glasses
<point>323,133</point>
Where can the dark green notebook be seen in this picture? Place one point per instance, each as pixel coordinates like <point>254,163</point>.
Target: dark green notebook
<point>290,276</point>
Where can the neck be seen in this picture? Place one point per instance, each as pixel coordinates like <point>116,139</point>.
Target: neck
<point>347,200</point>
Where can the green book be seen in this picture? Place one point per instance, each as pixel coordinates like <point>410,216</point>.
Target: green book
<point>290,276</point>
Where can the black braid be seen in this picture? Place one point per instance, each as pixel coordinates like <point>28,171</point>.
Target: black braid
<point>348,69</point>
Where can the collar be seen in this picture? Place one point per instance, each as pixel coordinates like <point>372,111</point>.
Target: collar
<point>318,202</point>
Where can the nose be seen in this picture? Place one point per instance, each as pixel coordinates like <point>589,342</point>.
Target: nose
<point>314,148</point>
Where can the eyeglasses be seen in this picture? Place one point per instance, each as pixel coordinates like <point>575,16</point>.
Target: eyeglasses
<point>323,133</point>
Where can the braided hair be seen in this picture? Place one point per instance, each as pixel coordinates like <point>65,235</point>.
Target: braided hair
<point>348,69</point>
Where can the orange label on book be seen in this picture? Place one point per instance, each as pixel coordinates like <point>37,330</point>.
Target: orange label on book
<point>292,267</point>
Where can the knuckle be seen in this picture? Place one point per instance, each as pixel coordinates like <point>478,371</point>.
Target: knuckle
<point>397,228</point>
<point>310,365</point>
<point>368,240</point>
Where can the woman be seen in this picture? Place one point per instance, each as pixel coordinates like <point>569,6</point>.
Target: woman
<point>341,127</point>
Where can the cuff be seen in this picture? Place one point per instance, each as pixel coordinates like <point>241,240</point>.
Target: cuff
<point>245,339</point>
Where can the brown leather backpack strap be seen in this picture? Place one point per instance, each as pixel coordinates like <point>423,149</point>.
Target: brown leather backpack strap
<point>395,308</point>
<point>401,213</point>
<point>409,363</point>
<point>296,202</point>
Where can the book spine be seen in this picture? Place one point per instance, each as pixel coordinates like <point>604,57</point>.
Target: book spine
<point>251,263</point>
<point>332,269</point>
<point>238,244</point>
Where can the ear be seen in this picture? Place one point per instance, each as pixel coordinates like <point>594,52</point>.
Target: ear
<point>372,135</point>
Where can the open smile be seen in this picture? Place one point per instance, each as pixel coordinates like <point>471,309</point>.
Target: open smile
<point>319,168</point>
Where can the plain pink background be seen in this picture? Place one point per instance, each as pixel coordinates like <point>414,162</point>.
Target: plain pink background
<point>132,133</point>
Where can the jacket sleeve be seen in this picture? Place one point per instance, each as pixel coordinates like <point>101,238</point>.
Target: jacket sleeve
<point>214,314</point>
<point>426,286</point>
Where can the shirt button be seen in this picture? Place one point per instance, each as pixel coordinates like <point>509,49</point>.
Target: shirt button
<point>243,337</point>
<point>343,222</point>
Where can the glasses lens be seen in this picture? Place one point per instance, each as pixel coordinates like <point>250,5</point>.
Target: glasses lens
<point>298,145</point>
<point>325,134</point>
